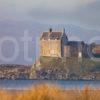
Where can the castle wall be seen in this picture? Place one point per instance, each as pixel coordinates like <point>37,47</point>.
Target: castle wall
<point>50,48</point>
<point>67,51</point>
<point>96,49</point>
<point>74,51</point>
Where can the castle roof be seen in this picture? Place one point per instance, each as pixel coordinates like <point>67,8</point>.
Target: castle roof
<point>75,43</point>
<point>51,35</point>
<point>72,43</point>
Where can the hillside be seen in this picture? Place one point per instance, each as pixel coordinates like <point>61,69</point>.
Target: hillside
<point>67,68</point>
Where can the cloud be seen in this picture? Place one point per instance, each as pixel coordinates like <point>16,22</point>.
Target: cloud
<point>81,12</point>
<point>87,15</point>
<point>24,6</point>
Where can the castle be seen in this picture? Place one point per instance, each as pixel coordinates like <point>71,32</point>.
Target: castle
<point>56,44</point>
<point>96,49</point>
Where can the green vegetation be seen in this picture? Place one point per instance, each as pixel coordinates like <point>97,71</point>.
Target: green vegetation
<point>53,68</point>
<point>73,64</point>
<point>66,68</point>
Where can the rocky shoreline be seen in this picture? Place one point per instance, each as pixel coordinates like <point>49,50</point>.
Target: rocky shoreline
<point>13,71</point>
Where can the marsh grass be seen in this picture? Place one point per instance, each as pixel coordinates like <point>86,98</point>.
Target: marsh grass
<point>49,92</point>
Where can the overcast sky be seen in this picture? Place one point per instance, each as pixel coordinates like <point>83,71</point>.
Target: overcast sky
<point>84,13</point>
<point>37,15</point>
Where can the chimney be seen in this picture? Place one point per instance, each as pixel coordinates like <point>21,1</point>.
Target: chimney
<point>50,30</point>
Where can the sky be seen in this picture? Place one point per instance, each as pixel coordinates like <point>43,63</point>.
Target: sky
<point>81,18</point>
<point>83,13</point>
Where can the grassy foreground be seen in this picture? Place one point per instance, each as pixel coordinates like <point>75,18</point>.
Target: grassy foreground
<point>48,92</point>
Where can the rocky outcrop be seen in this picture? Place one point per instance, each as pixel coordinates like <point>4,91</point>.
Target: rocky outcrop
<point>64,69</point>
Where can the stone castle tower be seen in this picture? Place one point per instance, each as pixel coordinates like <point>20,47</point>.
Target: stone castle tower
<point>53,44</point>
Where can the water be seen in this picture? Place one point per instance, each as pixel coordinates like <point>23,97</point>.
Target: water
<point>27,84</point>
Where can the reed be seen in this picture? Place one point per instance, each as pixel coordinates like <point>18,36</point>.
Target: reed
<point>49,92</point>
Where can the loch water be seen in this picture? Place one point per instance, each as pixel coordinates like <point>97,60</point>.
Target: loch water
<point>64,84</point>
